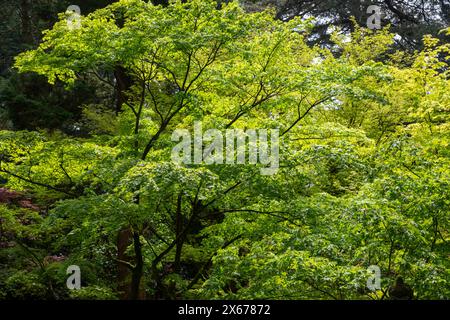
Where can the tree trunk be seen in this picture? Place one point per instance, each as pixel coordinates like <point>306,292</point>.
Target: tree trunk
<point>135,292</point>
<point>123,241</point>
<point>25,16</point>
<point>179,236</point>
<point>123,84</point>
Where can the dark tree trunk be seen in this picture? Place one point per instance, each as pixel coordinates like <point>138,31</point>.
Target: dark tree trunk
<point>123,84</point>
<point>123,241</point>
<point>25,16</point>
<point>135,292</point>
<point>179,236</point>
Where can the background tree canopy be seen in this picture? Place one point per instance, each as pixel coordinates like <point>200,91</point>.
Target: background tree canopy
<point>364,123</point>
<point>410,20</point>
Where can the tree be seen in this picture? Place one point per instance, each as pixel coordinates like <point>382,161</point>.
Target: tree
<point>23,107</point>
<point>362,174</point>
<point>410,20</point>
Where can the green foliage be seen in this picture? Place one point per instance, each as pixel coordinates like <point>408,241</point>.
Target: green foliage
<point>363,177</point>
<point>23,285</point>
<point>93,293</point>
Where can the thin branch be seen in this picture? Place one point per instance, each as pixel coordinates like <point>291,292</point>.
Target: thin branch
<point>410,170</point>
<point>270,213</point>
<point>300,117</point>
<point>207,263</point>
<point>126,263</point>
<point>38,183</point>
<point>224,193</point>
<point>321,290</point>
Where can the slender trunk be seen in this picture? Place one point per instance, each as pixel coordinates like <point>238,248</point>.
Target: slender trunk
<point>179,237</point>
<point>135,292</point>
<point>436,232</point>
<point>25,15</point>
<point>156,276</point>
<point>123,241</point>
<point>138,117</point>
<point>391,252</point>
<point>123,84</point>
